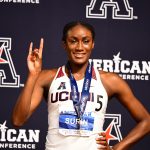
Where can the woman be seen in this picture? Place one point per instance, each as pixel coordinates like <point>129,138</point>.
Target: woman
<point>77,95</point>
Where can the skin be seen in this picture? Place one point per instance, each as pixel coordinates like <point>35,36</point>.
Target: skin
<point>79,45</point>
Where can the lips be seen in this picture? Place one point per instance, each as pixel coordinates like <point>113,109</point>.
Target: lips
<point>79,55</point>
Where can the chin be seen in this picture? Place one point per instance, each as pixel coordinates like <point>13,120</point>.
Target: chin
<point>79,61</point>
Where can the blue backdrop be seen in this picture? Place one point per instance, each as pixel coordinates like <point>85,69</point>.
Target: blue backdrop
<point>122,45</point>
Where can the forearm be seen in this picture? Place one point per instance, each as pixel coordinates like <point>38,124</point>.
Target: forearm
<point>22,107</point>
<point>141,129</point>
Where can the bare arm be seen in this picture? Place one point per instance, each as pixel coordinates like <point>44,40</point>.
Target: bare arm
<point>32,92</point>
<point>137,111</point>
<point>116,86</point>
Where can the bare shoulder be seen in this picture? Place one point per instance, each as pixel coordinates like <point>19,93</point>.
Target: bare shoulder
<point>109,76</point>
<point>112,82</point>
<point>46,77</point>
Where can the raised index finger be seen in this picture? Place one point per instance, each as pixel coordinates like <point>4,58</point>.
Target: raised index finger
<point>41,47</point>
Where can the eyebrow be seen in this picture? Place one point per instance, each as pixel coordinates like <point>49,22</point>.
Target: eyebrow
<point>82,37</point>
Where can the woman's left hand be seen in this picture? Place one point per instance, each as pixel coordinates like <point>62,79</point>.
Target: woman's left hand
<point>102,143</point>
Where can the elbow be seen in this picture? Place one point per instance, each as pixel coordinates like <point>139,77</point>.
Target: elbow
<point>19,119</point>
<point>16,122</point>
<point>146,124</point>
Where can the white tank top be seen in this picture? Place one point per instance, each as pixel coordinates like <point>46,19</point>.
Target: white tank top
<point>63,133</point>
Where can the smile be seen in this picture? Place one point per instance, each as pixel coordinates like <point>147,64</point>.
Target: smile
<point>79,55</point>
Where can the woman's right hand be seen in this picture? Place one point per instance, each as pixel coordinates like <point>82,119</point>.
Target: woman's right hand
<point>34,59</point>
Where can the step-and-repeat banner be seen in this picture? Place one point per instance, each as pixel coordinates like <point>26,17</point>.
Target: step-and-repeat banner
<point>122,46</point>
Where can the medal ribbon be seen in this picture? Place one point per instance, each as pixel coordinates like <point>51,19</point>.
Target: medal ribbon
<point>80,103</point>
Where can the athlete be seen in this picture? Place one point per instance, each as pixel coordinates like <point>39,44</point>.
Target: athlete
<point>77,95</point>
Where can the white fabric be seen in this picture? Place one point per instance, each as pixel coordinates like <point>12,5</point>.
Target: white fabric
<point>60,97</point>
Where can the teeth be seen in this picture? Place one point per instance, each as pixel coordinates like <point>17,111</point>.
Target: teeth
<point>79,54</point>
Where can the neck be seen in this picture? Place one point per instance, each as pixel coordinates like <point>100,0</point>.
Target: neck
<point>78,70</point>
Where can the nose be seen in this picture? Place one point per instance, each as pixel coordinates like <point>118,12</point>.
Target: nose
<point>79,46</point>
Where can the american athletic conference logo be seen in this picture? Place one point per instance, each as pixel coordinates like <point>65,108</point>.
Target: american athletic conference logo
<point>112,128</point>
<point>8,75</point>
<point>127,69</point>
<point>121,9</point>
<point>18,138</point>
<point>21,1</point>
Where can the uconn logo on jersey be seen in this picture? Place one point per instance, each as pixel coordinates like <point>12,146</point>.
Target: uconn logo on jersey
<point>120,9</point>
<point>8,75</point>
<point>65,95</point>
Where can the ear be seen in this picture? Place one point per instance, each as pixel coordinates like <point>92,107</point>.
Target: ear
<point>93,45</point>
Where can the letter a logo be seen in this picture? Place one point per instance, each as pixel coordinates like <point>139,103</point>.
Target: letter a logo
<point>112,128</point>
<point>8,76</point>
<point>121,9</point>
<point>62,86</point>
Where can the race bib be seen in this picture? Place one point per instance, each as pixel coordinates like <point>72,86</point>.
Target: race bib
<point>70,124</point>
